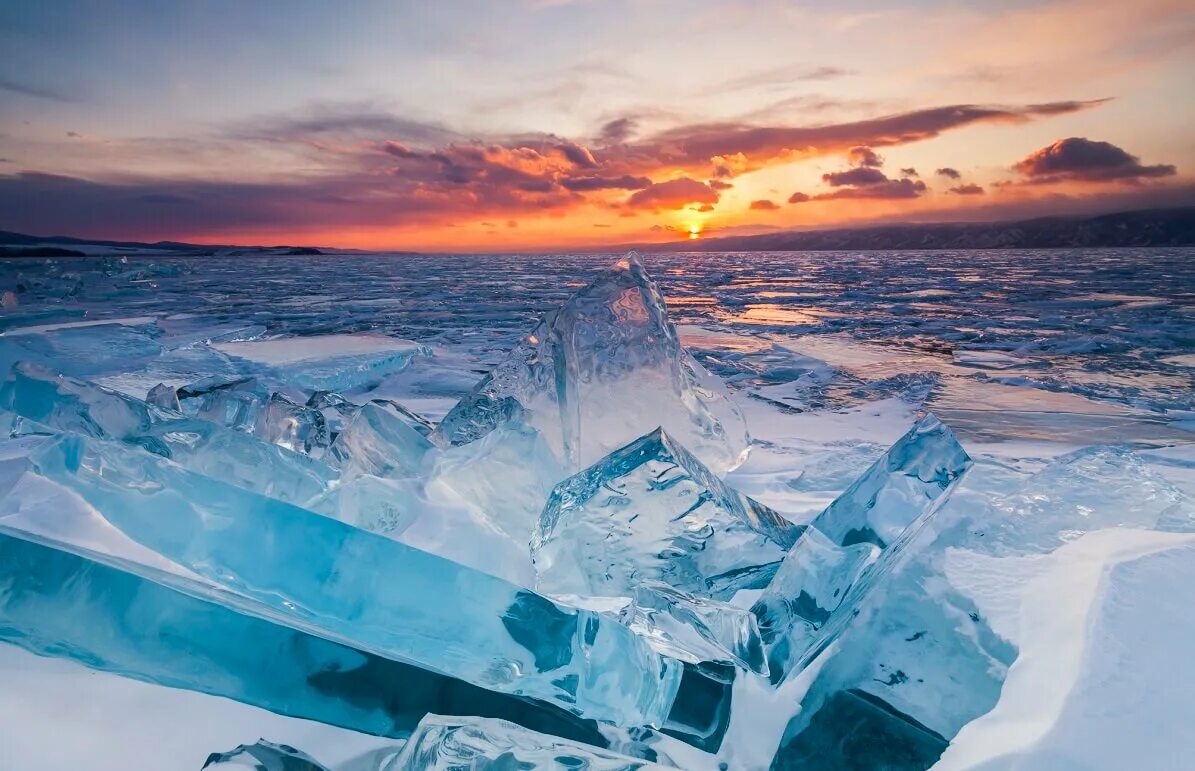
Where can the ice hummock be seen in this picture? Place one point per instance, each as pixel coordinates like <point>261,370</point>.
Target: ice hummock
<point>279,562</point>
<point>650,512</point>
<point>378,442</point>
<point>605,368</point>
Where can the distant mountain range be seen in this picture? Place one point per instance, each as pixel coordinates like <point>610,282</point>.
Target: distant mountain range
<point>23,245</point>
<point>1150,227</point>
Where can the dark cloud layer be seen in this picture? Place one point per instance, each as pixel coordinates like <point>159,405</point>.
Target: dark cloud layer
<point>968,189</point>
<point>365,167</point>
<point>1081,159</point>
<point>864,156</point>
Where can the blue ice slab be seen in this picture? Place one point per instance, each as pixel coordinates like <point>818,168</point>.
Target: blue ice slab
<point>67,404</point>
<point>897,489</point>
<point>378,442</point>
<point>372,503</point>
<point>325,363</point>
<point>649,513</point>
<point>696,629</point>
<point>603,369</point>
<point>85,350</point>
<point>273,560</point>
<point>454,743</point>
<point>62,604</point>
<point>854,543</point>
<point>508,474</point>
<point>240,459</point>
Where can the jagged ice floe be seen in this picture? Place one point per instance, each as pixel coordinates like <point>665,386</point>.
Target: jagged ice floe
<point>561,567</point>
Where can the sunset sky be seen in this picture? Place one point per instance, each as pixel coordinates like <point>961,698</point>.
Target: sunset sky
<point>533,124</point>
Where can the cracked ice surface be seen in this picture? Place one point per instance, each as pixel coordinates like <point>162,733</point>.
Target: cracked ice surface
<point>1045,588</point>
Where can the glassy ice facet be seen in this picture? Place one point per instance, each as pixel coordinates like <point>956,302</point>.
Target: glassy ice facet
<point>838,558</point>
<point>295,427</point>
<point>164,396</point>
<point>507,474</point>
<point>452,743</point>
<point>895,492</point>
<point>652,513</point>
<point>55,603</point>
<point>603,369</point>
<point>230,402</point>
<point>241,459</point>
<point>264,756</point>
<point>371,503</point>
<point>67,404</point>
<point>696,629</point>
<point>377,441</point>
<point>270,559</point>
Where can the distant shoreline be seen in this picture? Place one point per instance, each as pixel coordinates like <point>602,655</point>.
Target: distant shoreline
<point>1170,227</point>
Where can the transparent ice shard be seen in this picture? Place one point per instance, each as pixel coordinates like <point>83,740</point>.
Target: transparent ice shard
<point>240,459</point>
<point>854,730</point>
<point>809,599</point>
<point>234,402</point>
<point>62,604</point>
<point>164,396</point>
<point>854,543</point>
<point>273,560</point>
<point>264,756</point>
<point>293,426</point>
<point>694,629</point>
<point>897,489</point>
<point>378,442</point>
<point>443,743</point>
<point>335,408</point>
<point>603,369</point>
<point>67,404</point>
<point>507,474</point>
<point>652,513</point>
<point>371,503</point>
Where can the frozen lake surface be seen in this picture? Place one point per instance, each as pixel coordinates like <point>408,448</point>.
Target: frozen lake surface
<point>1068,376</point>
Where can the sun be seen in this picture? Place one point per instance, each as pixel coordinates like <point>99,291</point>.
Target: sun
<point>694,231</point>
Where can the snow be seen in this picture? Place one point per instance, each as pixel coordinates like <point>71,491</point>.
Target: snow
<point>1104,672</point>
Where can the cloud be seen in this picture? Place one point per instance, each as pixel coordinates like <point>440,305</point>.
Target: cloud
<point>909,172</point>
<point>15,86</point>
<point>860,175</point>
<point>625,182</point>
<point>764,204</point>
<point>360,165</point>
<point>1080,159</point>
<point>949,173</point>
<point>864,156</point>
<point>890,189</point>
<point>693,146</point>
<point>673,194</point>
<point>617,131</point>
<point>968,189</point>
<point>798,198</point>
